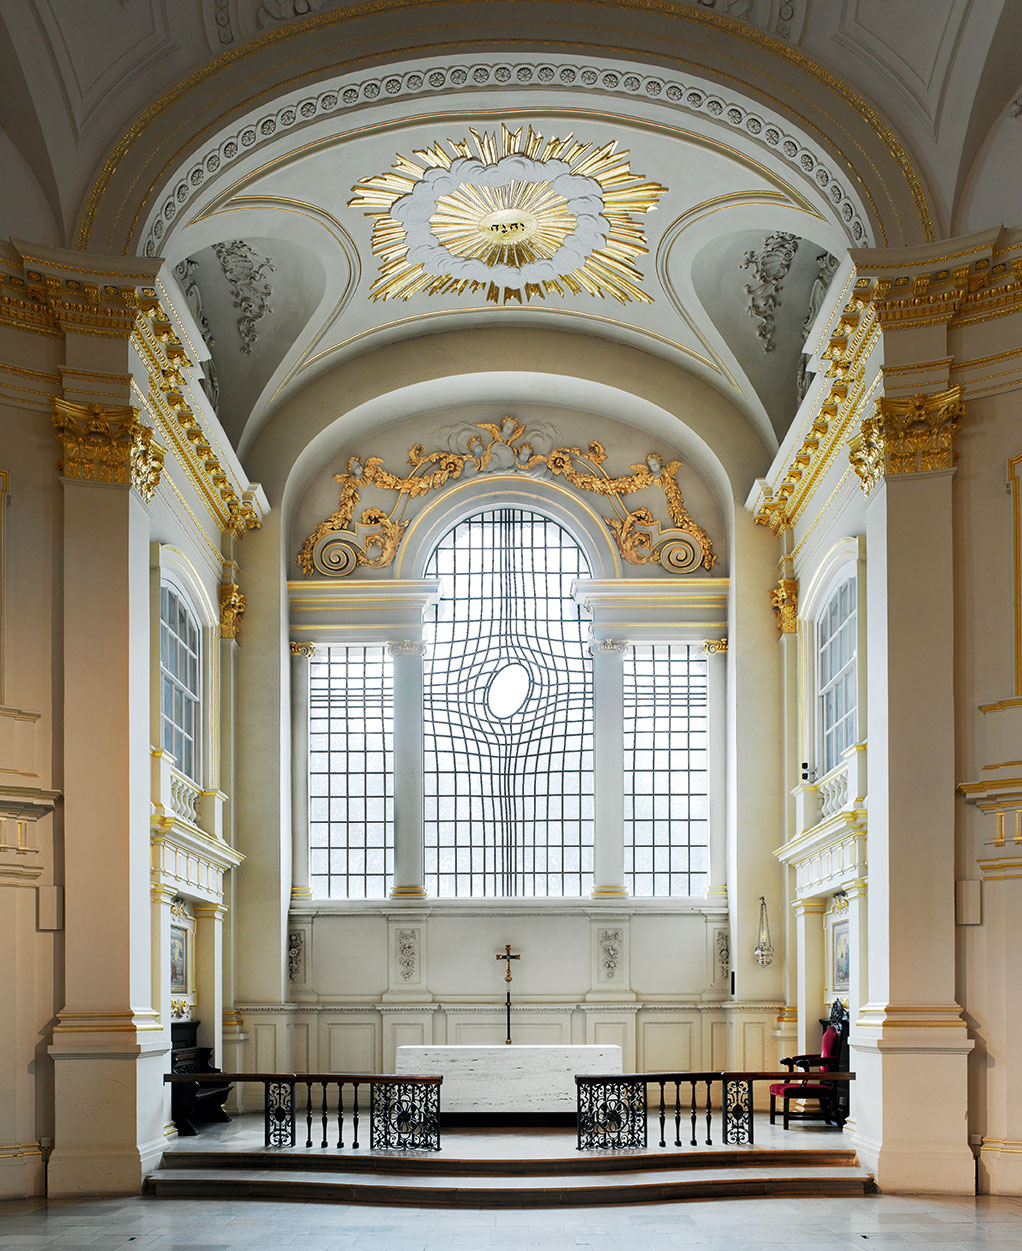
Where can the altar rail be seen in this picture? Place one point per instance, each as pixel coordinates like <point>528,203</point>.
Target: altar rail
<point>404,1112</point>
<point>613,1107</point>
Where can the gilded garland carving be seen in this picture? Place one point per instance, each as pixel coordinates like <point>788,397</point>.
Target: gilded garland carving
<point>907,436</point>
<point>784,601</point>
<point>101,444</point>
<point>516,216</point>
<point>335,547</point>
<point>232,610</point>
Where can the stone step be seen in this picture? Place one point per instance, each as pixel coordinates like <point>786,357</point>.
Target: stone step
<point>512,1191</point>
<point>450,1162</point>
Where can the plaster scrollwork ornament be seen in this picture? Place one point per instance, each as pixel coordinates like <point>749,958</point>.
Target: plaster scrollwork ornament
<point>246,273</point>
<point>906,436</point>
<point>722,955</point>
<point>296,956</point>
<point>611,946</point>
<point>784,602</point>
<point>286,10</point>
<point>770,265</point>
<point>335,547</point>
<point>232,610</point>
<point>407,951</point>
<point>187,274</point>
<point>100,444</point>
<point>513,215</point>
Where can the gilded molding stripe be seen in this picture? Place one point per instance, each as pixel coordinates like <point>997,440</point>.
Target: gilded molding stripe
<point>5,486</point>
<point>1016,538</point>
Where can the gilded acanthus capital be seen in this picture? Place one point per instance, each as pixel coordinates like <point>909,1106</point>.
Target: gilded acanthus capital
<point>784,601</point>
<point>107,444</point>
<point>906,436</point>
<point>232,610</point>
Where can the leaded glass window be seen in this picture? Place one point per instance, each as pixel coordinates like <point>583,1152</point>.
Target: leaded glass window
<point>180,677</point>
<point>666,770</point>
<point>836,644</point>
<point>351,773</point>
<point>508,787</point>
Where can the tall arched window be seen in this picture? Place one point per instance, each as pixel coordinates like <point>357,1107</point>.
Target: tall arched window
<point>180,682</point>
<point>508,713</point>
<point>836,678</point>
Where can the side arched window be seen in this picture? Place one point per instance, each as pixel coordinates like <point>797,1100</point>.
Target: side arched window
<point>180,682</point>
<point>836,633</point>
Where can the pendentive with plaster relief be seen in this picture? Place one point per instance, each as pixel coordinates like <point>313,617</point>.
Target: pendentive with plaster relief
<point>334,548</point>
<point>519,218</point>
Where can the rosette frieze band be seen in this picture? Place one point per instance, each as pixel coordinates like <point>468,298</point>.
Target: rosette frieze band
<point>107,444</point>
<point>337,546</point>
<point>906,436</point>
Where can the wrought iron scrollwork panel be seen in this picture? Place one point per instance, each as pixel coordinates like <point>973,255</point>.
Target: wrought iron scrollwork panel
<point>737,1104</point>
<point>611,1114</point>
<point>280,1114</point>
<point>405,1116</point>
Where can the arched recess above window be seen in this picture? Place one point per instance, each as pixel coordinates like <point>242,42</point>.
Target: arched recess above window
<point>832,663</point>
<point>494,491</point>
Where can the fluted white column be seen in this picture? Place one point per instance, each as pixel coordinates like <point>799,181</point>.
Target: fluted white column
<point>301,654</point>
<point>408,861</point>
<point>608,768</point>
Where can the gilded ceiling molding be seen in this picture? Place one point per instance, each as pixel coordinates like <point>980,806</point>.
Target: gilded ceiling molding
<point>232,610</point>
<point>691,98</point>
<point>335,548</point>
<point>784,602</point>
<point>517,217</point>
<point>907,436</point>
<point>269,39</point>
<point>107,444</point>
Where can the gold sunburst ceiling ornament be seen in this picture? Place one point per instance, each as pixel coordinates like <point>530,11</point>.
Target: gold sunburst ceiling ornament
<point>516,218</point>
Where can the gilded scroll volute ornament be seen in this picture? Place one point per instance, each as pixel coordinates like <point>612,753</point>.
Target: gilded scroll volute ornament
<point>906,436</point>
<point>232,610</point>
<point>784,601</point>
<point>107,444</point>
<point>305,650</point>
<point>336,547</point>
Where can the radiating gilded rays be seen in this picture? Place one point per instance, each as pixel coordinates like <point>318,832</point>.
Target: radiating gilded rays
<point>581,238</point>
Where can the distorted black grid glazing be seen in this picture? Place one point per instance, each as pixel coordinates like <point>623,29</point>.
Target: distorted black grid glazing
<point>666,790</point>
<point>351,773</point>
<point>508,800</point>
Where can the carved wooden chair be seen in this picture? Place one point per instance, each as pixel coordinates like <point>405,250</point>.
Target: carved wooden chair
<point>830,1107</point>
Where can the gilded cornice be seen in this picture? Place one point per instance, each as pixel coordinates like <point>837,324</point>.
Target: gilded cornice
<point>107,444</point>
<point>907,436</point>
<point>956,289</point>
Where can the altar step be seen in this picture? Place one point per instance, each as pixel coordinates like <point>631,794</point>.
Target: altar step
<point>421,1181</point>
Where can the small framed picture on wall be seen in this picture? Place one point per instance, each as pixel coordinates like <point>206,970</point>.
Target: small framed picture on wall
<point>179,960</point>
<point>840,957</point>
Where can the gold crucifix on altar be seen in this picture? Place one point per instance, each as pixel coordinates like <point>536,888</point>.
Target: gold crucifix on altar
<point>508,957</point>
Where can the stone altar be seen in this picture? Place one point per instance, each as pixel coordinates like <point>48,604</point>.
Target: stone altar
<point>508,1078</point>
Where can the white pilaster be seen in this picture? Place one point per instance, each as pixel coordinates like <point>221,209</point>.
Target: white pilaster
<point>301,654</point>
<point>409,880</point>
<point>716,690</point>
<point>608,774</point>
<point>811,971</point>
<point>209,980</point>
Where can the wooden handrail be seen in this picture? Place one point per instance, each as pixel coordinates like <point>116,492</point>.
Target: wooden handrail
<point>720,1075</point>
<point>218,1079</point>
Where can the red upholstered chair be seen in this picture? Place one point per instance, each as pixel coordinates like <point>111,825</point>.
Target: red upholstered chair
<point>811,1086</point>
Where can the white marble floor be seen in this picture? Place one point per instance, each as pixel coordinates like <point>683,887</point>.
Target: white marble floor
<point>720,1225</point>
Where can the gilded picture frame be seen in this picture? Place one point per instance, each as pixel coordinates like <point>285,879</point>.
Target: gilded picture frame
<point>840,956</point>
<point>179,956</point>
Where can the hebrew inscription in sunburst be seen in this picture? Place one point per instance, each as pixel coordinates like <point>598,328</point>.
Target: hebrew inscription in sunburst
<point>519,218</point>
